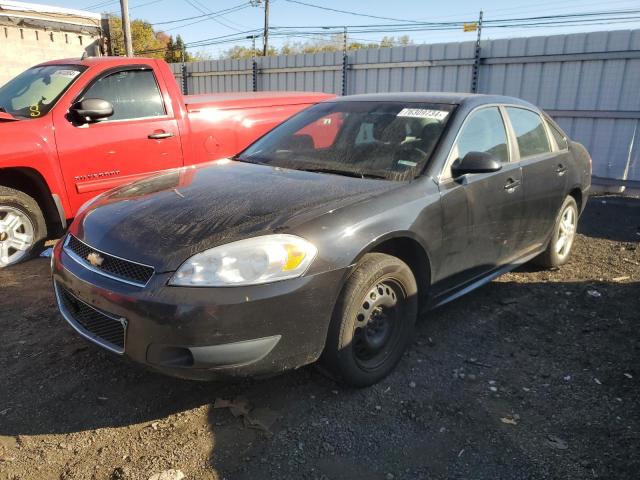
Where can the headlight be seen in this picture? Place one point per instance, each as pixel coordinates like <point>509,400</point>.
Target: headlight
<point>247,262</point>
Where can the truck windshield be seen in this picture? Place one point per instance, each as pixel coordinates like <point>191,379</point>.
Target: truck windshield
<point>34,92</point>
<point>379,139</point>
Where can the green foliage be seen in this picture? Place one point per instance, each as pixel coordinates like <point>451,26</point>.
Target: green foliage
<point>333,44</point>
<point>175,51</point>
<point>145,40</point>
<point>238,52</point>
<point>149,43</point>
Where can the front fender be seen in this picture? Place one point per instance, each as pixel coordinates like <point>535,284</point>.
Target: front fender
<point>30,145</point>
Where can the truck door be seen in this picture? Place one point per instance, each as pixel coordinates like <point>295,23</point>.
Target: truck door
<point>141,137</point>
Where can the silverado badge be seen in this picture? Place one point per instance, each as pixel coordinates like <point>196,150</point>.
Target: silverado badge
<point>95,259</point>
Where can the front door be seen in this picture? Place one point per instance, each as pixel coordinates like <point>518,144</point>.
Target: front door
<point>481,212</point>
<point>140,138</point>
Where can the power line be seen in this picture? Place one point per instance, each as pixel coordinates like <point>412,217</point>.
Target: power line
<point>208,15</point>
<point>460,23</point>
<point>350,13</point>
<point>570,19</point>
<point>243,36</point>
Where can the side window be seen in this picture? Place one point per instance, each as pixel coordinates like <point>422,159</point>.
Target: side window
<point>483,131</point>
<point>559,137</point>
<point>530,132</point>
<point>133,94</point>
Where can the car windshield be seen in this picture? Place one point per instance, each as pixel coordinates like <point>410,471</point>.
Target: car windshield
<point>388,140</point>
<point>35,91</point>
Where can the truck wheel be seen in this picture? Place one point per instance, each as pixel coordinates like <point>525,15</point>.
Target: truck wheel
<point>564,232</point>
<point>372,322</point>
<point>22,227</point>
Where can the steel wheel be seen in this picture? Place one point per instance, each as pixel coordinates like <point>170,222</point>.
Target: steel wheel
<point>376,324</point>
<point>566,231</point>
<point>16,235</point>
<point>373,321</point>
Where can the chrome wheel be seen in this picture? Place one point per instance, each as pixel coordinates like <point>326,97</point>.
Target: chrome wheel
<point>566,231</point>
<point>16,235</point>
<point>377,323</point>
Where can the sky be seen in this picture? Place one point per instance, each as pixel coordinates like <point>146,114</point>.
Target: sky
<point>287,13</point>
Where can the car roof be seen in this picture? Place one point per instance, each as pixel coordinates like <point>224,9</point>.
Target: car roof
<point>447,98</point>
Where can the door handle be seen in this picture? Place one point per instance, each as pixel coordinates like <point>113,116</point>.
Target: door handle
<point>511,185</point>
<point>159,135</point>
<point>561,170</point>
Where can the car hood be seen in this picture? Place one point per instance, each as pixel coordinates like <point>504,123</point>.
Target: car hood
<point>163,220</point>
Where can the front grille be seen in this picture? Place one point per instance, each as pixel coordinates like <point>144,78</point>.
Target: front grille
<point>111,265</point>
<point>106,330</point>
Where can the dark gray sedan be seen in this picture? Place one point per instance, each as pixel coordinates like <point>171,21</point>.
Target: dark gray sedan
<point>325,239</point>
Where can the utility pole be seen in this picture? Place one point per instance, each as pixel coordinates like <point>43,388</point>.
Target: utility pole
<point>254,64</point>
<point>126,27</point>
<point>345,60</point>
<point>266,28</point>
<point>476,61</point>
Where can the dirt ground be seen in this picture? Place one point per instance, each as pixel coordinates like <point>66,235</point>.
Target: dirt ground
<point>536,375</point>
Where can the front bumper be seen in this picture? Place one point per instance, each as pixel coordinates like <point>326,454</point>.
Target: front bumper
<point>200,333</point>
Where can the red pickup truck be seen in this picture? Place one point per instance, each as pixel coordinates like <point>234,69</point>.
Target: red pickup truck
<point>71,129</point>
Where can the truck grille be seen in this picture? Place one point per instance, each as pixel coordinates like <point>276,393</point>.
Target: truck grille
<point>110,265</point>
<point>104,329</point>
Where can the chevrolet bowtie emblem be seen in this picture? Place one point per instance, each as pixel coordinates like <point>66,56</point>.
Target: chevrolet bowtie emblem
<point>95,259</point>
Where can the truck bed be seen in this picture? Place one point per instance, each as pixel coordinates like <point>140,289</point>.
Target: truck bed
<point>224,101</point>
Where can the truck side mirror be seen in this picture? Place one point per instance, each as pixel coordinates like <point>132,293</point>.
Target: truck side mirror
<point>91,110</point>
<point>475,162</point>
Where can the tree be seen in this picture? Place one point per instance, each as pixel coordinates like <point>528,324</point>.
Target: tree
<point>146,42</point>
<point>333,44</point>
<point>239,52</point>
<point>170,52</point>
<point>402,41</point>
<point>177,52</point>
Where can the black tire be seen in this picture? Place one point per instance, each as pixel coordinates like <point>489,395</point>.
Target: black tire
<point>377,282</point>
<point>551,257</point>
<point>26,205</point>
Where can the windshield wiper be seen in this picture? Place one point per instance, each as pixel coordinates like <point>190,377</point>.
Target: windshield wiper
<point>346,173</point>
<point>238,158</point>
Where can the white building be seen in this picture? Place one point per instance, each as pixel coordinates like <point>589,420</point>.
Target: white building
<point>31,33</point>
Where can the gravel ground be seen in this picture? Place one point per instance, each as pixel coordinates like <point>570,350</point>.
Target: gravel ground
<point>536,375</point>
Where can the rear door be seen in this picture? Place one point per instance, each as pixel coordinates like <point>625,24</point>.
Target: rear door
<point>140,138</point>
<point>543,175</point>
<point>481,212</point>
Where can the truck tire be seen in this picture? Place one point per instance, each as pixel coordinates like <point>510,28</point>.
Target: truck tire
<point>372,322</point>
<point>22,227</point>
<point>564,231</point>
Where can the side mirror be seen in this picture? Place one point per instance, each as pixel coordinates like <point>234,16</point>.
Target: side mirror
<point>475,162</point>
<point>91,110</point>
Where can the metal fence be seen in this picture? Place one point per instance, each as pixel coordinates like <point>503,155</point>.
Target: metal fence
<point>589,82</point>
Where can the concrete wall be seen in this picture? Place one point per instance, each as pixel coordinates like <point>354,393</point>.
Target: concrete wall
<point>23,47</point>
<point>32,33</point>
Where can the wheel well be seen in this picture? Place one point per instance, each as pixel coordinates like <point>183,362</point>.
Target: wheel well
<point>413,254</point>
<point>576,193</point>
<point>29,181</point>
